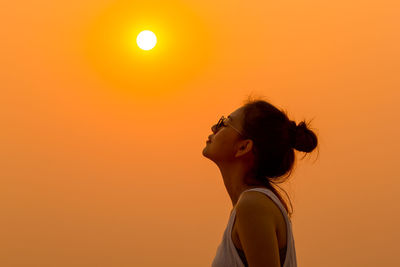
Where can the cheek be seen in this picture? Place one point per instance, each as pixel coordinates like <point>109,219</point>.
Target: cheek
<point>222,146</point>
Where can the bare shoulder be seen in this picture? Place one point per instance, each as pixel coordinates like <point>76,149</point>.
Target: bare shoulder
<point>255,199</point>
<point>258,216</point>
<point>256,204</point>
<point>257,229</point>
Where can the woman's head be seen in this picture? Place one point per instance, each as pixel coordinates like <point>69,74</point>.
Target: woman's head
<point>275,137</point>
<point>227,143</point>
<point>262,137</point>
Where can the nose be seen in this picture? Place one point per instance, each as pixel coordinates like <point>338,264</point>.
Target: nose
<point>215,128</point>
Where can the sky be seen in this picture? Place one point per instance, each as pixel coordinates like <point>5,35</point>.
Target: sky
<point>101,143</point>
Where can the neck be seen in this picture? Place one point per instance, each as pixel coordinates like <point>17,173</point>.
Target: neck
<point>237,179</point>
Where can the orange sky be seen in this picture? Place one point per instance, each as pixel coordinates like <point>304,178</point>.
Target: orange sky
<point>101,146</point>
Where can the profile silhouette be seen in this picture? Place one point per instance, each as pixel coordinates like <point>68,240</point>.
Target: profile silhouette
<point>253,148</point>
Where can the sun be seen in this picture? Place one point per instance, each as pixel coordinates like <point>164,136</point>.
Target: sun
<point>146,40</point>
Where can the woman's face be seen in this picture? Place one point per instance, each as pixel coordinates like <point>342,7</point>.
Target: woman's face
<point>222,145</point>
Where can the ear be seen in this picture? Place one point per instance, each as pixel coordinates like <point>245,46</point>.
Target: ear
<point>243,147</point>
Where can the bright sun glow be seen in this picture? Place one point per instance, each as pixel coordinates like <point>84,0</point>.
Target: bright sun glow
<point>146,40</point>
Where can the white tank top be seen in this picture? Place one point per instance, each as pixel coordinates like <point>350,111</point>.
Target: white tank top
<point>227,255</point>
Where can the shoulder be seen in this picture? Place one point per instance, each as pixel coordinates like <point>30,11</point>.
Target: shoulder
<point>255,199</point>
<point>257,229</point>
<point>254,204</point>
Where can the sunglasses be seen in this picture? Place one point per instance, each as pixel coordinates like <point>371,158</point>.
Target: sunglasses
<point>224,122</point>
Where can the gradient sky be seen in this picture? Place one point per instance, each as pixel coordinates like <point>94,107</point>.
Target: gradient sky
<point>101,144</point>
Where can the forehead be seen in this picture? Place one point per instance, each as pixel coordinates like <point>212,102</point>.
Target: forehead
<point>235,115</point>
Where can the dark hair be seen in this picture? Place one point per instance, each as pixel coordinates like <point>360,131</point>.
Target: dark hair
<point>275,137</point>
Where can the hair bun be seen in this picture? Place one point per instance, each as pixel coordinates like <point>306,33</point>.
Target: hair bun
<point>302,138</point>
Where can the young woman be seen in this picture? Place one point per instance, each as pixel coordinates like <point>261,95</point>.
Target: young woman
<point>253,147</point>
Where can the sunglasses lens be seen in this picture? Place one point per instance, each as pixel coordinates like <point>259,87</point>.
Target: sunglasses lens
<point>218,125</point>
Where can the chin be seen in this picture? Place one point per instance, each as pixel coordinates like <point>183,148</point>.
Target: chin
<point>204,152</point>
